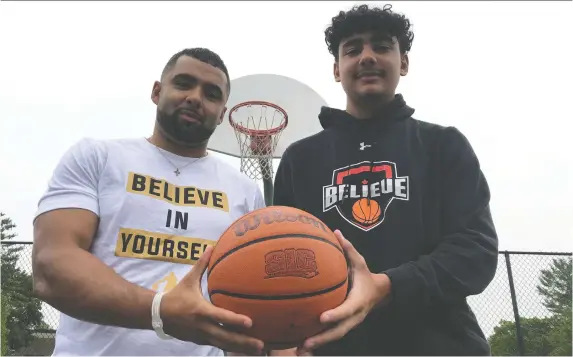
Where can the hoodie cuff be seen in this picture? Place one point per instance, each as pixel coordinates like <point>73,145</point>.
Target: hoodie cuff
<point>406,287</point>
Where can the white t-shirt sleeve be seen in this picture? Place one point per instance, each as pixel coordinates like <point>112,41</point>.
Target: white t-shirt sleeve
<point>259,200</point>
<point>74,182</point>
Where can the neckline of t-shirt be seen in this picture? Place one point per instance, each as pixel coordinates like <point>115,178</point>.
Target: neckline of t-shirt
<point>175,156</point>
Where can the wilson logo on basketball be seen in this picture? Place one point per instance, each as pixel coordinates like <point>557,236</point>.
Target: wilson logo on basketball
<point>254,220</point>
<point>291,262</point>
<point>361,193</point>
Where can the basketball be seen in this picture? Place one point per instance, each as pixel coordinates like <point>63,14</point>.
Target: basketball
<point>283,268</point>
<point>366,211</point>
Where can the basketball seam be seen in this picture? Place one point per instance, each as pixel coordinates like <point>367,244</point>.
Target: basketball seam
<point>278,297</point>
<point>263,239</point>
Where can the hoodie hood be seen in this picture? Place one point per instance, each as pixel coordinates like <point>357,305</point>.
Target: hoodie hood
<point>396,110</point>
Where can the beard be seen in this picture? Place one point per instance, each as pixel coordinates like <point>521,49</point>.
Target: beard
<point>182,132</point>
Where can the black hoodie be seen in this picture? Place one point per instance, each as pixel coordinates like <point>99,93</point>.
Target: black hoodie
<point>412,199</point>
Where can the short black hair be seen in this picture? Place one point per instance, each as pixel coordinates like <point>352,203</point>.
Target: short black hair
<point>204,55</point>
<point>361,19</point>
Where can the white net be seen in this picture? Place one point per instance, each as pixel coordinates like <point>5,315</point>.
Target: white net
<point>258,127</point>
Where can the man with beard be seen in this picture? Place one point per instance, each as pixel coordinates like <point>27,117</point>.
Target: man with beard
<point>124,232</point>
<point>408,195</point>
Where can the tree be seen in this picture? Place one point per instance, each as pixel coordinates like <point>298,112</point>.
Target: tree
<point>555,286</point>
<point>24,314</point>
<point>560,335</point>
<point>549,336</point>
<point>503,341</point>
<point>4,337</point>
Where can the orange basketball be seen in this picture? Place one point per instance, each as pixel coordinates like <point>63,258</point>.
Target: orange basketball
<point>366,211</point>
<point>283,268</point>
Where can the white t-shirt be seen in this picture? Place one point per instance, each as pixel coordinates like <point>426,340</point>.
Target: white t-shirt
<point>153,226</point>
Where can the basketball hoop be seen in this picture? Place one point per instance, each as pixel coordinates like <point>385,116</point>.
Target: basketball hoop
<point>258,126</point>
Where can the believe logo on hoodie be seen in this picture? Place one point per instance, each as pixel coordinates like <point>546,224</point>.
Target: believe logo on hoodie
<point>362,192</point>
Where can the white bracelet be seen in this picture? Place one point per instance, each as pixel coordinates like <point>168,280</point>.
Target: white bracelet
<point>156,321</point>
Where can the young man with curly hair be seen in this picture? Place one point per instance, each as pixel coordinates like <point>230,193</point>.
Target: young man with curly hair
<point>409,197</point>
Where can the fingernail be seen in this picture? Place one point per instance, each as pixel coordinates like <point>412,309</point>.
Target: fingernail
<point>325,317</point>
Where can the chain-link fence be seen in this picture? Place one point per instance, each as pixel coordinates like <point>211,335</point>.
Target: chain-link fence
<point>511,311</point>
<point>514,313</point>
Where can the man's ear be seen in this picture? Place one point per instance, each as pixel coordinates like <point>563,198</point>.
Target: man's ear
<point>155,92</point>
<point>222,117</point>
<point>405,65</point>
<point>336,71</point>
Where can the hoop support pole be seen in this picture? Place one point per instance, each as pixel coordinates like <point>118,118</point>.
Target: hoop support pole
<point>269,191</point>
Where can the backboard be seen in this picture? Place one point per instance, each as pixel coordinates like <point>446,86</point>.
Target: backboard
<point>300,102</point>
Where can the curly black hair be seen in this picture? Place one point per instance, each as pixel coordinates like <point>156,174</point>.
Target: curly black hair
<point>362,19</point>
<point>202,54</point>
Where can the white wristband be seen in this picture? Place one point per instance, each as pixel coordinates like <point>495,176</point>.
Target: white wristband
<point>156,321</point>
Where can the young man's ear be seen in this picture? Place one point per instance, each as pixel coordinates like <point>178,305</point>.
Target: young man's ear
<point>336,71</point>
<point>405,65</point>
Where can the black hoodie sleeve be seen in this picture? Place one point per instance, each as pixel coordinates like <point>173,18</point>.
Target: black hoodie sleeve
<point>464,259</point>
<point>283,188</point>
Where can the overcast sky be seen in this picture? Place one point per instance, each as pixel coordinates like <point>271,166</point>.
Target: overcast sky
<point>500,72</point>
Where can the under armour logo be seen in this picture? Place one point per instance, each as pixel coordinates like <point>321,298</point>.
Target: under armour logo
<point>364,146</point>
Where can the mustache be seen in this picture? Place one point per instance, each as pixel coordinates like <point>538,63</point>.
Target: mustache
<point>370,72</point>
<point>191,112</point>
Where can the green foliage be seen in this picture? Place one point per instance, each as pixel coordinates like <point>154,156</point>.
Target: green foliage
<point>560,335</point>
<point>555,286</point>
<point>503,342</point>
<point>4,336</point>
<point>549,336</point>
<point>23,314</point>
